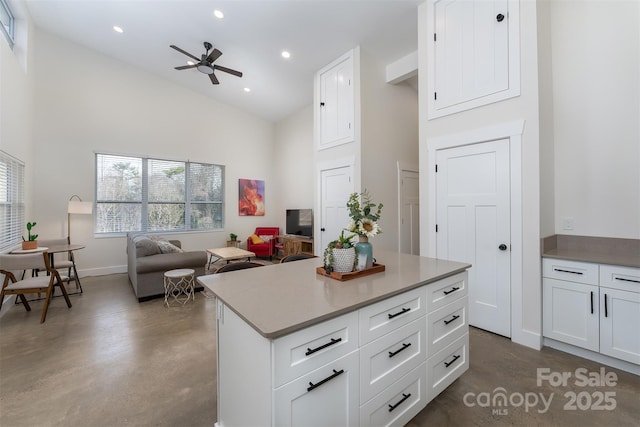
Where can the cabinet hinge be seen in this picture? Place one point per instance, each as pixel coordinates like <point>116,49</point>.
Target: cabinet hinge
<point>436,228</point>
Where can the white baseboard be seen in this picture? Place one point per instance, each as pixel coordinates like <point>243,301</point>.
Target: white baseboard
<point>528,339</point>
<point>623,365</point>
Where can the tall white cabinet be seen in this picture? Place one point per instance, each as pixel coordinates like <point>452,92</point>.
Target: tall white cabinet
<point>335,101</point>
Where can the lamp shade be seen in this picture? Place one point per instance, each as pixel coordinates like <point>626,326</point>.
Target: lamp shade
<point>78,207</point>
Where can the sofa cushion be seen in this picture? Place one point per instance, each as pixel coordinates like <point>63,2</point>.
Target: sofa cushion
<point>167,247</point>
<point>166,262</point>
<point>146,247</point>
<point>256,240</point>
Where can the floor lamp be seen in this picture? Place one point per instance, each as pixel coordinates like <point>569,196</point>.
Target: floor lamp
<point>77,207</point>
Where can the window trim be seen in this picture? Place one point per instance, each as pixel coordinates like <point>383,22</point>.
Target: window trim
<point>10,34</point>
<point>144,203</point>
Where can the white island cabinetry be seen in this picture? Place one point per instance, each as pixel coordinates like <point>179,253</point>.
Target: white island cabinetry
<point>358,355</point>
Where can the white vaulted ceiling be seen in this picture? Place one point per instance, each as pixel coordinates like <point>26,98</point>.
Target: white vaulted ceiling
<point>251,36</point>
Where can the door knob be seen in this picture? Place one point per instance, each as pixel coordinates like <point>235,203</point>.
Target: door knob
<point>322,229</point>
<point>502,247</point>
<point>499,17</point>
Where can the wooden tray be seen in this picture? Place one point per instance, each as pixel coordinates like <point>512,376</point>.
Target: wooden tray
<point>377,268</point>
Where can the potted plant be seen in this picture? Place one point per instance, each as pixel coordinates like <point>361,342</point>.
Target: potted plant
<point>364,214</point>
<point>32,243</point>
<point>233,237</point>
<point>340,255</point>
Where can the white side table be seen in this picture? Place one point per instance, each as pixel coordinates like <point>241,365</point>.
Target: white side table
<point>179,286</point>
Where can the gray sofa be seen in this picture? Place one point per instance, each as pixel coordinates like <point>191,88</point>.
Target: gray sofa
<point>148,257</point>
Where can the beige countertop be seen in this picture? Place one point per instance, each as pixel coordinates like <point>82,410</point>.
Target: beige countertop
<point>282,298</point>
<point>599,250</point>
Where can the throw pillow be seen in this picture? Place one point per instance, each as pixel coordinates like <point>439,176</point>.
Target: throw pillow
<point>255,239</point>
<point>146,247</point>
<point>265,238</point>
<point>168,247</point>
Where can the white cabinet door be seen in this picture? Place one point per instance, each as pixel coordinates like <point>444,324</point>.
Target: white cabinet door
<point>619,324</point>
<point>327,396</point>
<point>336,103</point>
<point>571,313</point>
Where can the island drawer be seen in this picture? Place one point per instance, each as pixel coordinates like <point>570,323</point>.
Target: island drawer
<point>385,360</point>
<point>301,352</point>
<point>571,271</point>
<point>623,278</point>
<point>447,290</point>
<point>398,404</point>
<point>385,316</point>
<point>446,324</point>
<point>445,367</point>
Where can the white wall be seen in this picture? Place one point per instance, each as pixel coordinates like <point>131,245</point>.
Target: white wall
<point>389,134</point>
<point>596,103</point>
<point>86,103</point>
<point>293,164</point>
<point>523,107</point>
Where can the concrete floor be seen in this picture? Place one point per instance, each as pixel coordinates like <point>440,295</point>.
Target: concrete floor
<point>109,361</point>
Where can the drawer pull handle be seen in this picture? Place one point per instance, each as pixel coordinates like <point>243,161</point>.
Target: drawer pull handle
<point>313,350</point>
<point>403,311</point>
<point>329,378</point>
<point>627,280</point>
<point>447,364</point>
<point>446,322</point>
<point>606,310</point>
<point>404,346</point>
<point>451,291</point>
<point>404,397</point>
<point>568,271</point>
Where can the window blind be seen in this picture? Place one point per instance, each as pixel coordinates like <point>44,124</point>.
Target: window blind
<point>12,208</point>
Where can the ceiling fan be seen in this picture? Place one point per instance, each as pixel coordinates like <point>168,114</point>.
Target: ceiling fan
<point>205,64</point>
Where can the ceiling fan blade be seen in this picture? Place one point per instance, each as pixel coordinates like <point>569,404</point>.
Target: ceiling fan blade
<point>184,52</point>
<point>214,55</point>
<point>186,67</point>
<point>228,70</point>
<point>213,78</point>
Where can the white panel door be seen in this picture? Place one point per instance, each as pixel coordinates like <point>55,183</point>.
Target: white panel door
<point>471,50</point>
<point>409,213</point>
<point>473,225</point>
<point>335,187</point>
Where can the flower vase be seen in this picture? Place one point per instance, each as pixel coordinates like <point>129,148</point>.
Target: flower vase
<point>365,248</point>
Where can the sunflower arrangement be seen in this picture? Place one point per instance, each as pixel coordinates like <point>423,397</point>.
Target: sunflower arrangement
<point>364,215</point>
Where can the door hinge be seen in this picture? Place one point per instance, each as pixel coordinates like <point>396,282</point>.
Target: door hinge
<point>436,228</point>
<point>435,95</point>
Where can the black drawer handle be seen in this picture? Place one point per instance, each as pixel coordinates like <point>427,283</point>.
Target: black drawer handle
<point>451,291</point>
<point>447,364</point>
<point>313,350</point>
<point>446,322</point>
<point>404,397</point>
<point>329,378</point>
<point>568,271</point>
<point>404,346</point>
<point>627,280</point>
<point>403,311</point>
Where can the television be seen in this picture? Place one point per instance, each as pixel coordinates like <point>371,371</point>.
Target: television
<point>300,222</point>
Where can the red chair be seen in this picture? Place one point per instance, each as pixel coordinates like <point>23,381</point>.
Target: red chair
<point>267,248</point>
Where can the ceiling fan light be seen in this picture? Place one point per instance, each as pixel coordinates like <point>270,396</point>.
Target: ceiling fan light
<point>218,14</point>
<point>204,68</point>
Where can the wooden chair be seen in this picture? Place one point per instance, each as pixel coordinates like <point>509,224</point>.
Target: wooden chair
<point>30,285</point>
<point>295,257</point>
<point>67,263</point>
<point>238,266</point>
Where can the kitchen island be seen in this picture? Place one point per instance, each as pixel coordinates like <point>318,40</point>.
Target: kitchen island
<point>298,348</point>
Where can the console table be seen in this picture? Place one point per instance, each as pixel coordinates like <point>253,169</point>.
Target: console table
<point>292,245</point>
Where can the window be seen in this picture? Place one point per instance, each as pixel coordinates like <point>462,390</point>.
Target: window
<point>11,201</point>
<point>142,194</point>
<point>8,22</point>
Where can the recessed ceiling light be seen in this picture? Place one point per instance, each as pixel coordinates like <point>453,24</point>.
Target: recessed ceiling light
<point>286,54</point>
<point>218,14</point>
<point>246,89</point>
<point>118,29</point>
